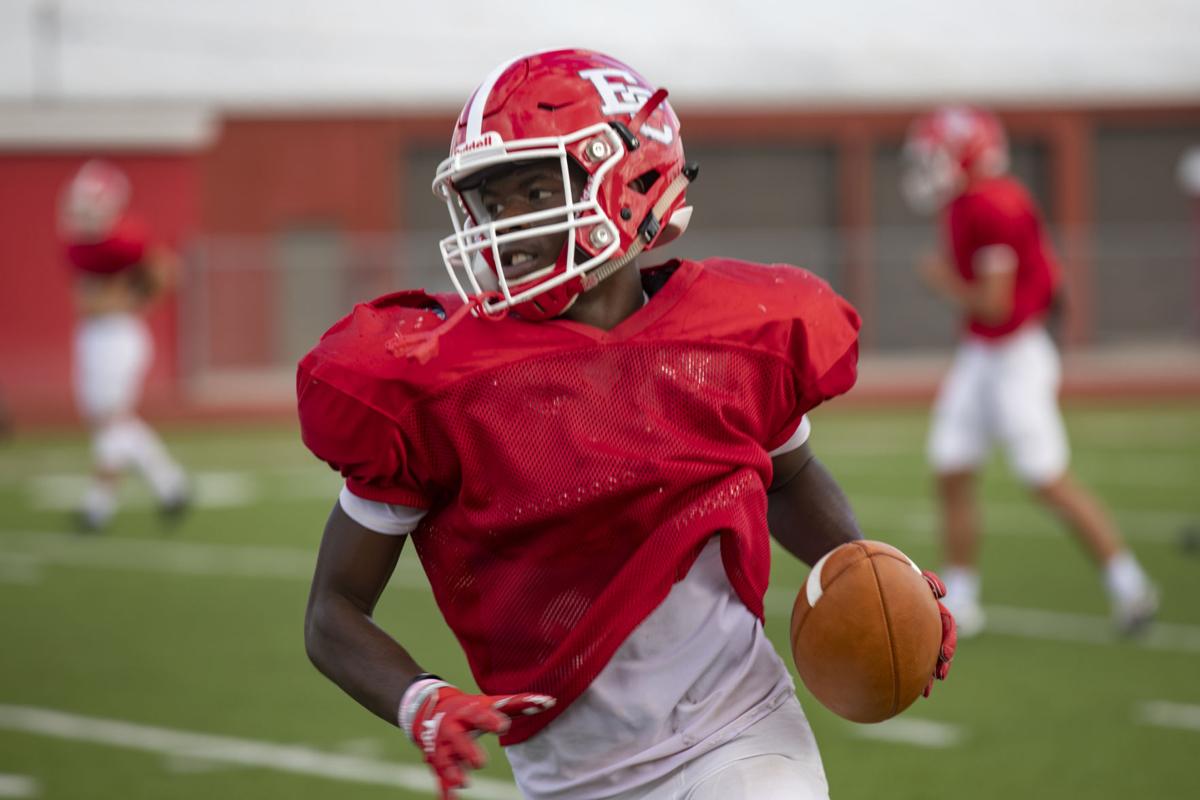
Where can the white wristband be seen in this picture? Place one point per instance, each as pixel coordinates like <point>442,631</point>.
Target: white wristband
<point>414,697</point>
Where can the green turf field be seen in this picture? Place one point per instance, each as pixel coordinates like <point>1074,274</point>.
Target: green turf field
<point>171,665</point>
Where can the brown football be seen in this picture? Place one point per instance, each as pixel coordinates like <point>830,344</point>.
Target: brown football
<point>865,631</point>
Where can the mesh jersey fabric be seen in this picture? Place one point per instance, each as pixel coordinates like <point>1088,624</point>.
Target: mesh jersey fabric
<point>572,475</point>
<point>123,247</point>
<point>1000,211</point>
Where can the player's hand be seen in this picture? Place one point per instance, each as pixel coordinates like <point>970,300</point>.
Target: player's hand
<point>949,632</point>
<point>934,271</point>
<point>444,722</point>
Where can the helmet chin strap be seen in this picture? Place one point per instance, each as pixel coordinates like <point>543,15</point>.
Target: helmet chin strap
<point>646,231</point>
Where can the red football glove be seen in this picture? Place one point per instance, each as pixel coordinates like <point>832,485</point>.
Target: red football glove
<point>949,632</point>
<point>444,722</point>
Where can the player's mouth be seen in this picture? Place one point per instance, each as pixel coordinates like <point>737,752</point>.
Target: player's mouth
<point>518,263</point>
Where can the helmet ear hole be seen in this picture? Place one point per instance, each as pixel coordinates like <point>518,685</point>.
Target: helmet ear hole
<point>643,183</point>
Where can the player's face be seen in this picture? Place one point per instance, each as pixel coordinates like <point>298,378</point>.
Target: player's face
<point>929,179</point>
<point>525,189</point>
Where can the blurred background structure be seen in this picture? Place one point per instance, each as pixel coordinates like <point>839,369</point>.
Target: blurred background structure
<point>287,149</point>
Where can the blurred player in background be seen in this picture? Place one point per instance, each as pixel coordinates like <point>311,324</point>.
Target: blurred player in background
<point>589,457</point>
<point>118,274</point>
<point>1000,272</point>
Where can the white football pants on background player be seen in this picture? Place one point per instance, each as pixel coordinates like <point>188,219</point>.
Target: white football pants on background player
<point>1005,390</point>
<point>112,355</point>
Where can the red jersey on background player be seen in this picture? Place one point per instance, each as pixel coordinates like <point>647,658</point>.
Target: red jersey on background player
<point>590,459</point>
<point>1001,273</point>
<point>118,273</point>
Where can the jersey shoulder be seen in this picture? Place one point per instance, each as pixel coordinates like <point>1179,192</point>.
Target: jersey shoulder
<point>994,206</point>
<point>354,389</point>
<point>786,310</point>
<point>361,360</point>
<point>376,337</point>
<point>758,293</point>
<point>123,247</point>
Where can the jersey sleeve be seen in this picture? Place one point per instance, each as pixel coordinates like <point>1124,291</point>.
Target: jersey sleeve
<point>390,519</point>
<point>124,247</point>
<point>365,445</point>
<point>992,219</point>
<point>822,348</point>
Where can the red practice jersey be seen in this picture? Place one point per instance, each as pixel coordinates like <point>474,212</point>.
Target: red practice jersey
<point>123,247</point>
<point>572,475</point>
<point>1000,211</point>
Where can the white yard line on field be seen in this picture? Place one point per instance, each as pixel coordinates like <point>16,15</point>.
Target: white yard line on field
<point>32,549</point>
<point>1056,626</point>
<point>28,551</point>
<point>914,515</point>
<point>1167,470</point>
<point>1059,626</point>
<point>61,492</point>
<point>1177,716</point>
<point>20,568</point>
<point>242,752</point>
<point>18,786</point>
<point>909,730</point>
<point>917,516</point>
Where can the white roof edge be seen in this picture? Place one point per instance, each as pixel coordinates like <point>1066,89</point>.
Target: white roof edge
<point>110,126</point>
<point>719,102</point>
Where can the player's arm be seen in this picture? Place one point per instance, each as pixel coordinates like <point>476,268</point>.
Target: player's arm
<point>807,512</point>
<point>155,275</point>
<point>989,298</point>
<point>342,640</point>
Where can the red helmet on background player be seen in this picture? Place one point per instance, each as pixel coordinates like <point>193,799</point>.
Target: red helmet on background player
<point>947,148</point>
<point>93,201</point>
<point>596,117</point>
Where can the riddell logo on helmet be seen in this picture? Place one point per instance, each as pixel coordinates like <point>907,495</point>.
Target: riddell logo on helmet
<point>485,142</point>
<point>621,95</point>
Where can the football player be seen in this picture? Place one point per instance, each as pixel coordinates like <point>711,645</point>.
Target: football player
<point>590,458</point>
<point>118,273</point>
<point>999,270</point>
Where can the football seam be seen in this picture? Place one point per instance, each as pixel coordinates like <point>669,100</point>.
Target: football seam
<point>829,583</point>
<point>887,627</point>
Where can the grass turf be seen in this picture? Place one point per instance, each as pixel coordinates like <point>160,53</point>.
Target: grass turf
<point>199,629</point>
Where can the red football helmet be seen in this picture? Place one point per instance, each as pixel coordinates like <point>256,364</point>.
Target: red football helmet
<point>947,148</point>
<point>595,116</point>
<point>93,201</point>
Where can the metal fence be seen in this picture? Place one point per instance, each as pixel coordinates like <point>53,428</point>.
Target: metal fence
<point>252,306</point>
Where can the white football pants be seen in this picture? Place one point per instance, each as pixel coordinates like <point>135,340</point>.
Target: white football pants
<point>776,758</point>
<point>1007,390</point>
<point>112,354</point>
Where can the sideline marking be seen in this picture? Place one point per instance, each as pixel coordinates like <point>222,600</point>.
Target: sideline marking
<point>33,549</point>
<point>18,786</point>
<point>19,568</point>
<point>910,730</point>
<point>243,752</point>
<point>62,492</point>
<point>1177,716</point>
<point>1057,626</point>
<point>25,552</point>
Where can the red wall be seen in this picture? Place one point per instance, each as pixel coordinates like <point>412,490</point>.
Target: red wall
<point>36,314</point>
<point>265,174</point>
